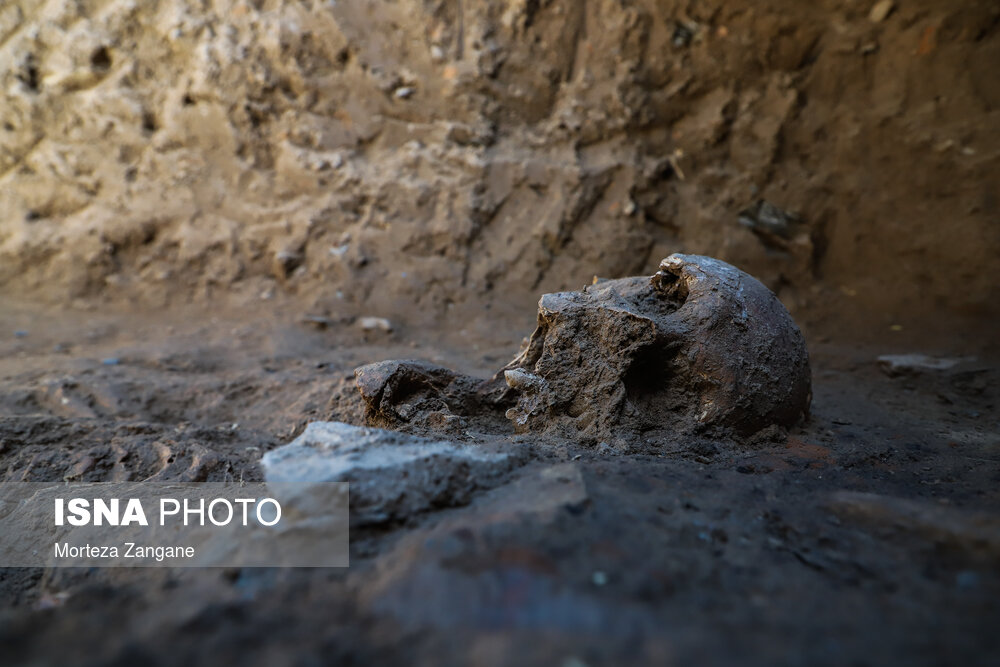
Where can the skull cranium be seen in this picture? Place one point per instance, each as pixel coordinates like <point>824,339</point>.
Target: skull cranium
<point>699,346</point>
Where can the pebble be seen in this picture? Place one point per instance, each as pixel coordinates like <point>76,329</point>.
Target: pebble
<point>881,10</point>
<point>899,364</point>
<point>682,35</point>
<point>375,323</point>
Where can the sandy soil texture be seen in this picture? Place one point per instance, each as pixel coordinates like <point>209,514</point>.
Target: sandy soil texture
<point>417,156</point>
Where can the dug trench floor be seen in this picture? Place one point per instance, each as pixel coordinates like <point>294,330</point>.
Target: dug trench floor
<point>869,535</point>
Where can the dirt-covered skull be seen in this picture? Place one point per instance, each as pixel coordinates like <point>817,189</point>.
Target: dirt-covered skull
<point>699,346</point>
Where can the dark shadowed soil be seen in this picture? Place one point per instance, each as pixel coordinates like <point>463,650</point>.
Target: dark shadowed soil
<point>869,535</point>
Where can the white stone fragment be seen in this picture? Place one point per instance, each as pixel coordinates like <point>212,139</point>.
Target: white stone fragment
<point>375,324</point>
<point>392,475</point>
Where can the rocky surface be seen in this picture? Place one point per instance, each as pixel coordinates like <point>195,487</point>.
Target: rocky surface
<point>392,475</point>
<point>422,156</point>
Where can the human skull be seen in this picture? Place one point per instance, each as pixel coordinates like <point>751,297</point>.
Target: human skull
<point>700,346</point>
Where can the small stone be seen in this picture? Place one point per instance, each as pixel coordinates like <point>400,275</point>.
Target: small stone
<point>881,10</point>
<point>944,146</point>
<point>404,92</point>
<point>902,364</point>
<point>774,225</point>
<point>375,324</point>
<point>51,601</point>
<point>605,449</point>
<point>682,35</point>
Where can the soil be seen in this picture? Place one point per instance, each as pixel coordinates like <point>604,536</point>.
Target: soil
<point>708,553</point>
<point>202,206</point>
<point>430,158</point>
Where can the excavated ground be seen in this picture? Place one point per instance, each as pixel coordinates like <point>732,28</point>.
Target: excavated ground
<point>868,535</point>
<point>420,158</point>
<point>201,201</point>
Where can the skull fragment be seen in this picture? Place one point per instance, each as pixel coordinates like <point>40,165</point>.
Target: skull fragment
<point>700,346</point>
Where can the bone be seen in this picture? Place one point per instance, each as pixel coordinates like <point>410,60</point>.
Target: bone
<point>699,348</point>
<point>411,393</point>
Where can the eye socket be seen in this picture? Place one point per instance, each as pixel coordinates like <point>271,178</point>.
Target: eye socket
<point>667,281</point>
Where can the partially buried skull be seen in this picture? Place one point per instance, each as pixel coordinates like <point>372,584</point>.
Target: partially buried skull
<point>700,346</point>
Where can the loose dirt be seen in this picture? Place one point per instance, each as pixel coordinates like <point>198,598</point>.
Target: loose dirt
<point>759,554</point>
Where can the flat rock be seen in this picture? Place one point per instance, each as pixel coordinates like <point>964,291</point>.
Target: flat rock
<point>901,364</point>
<point>392,475</point>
